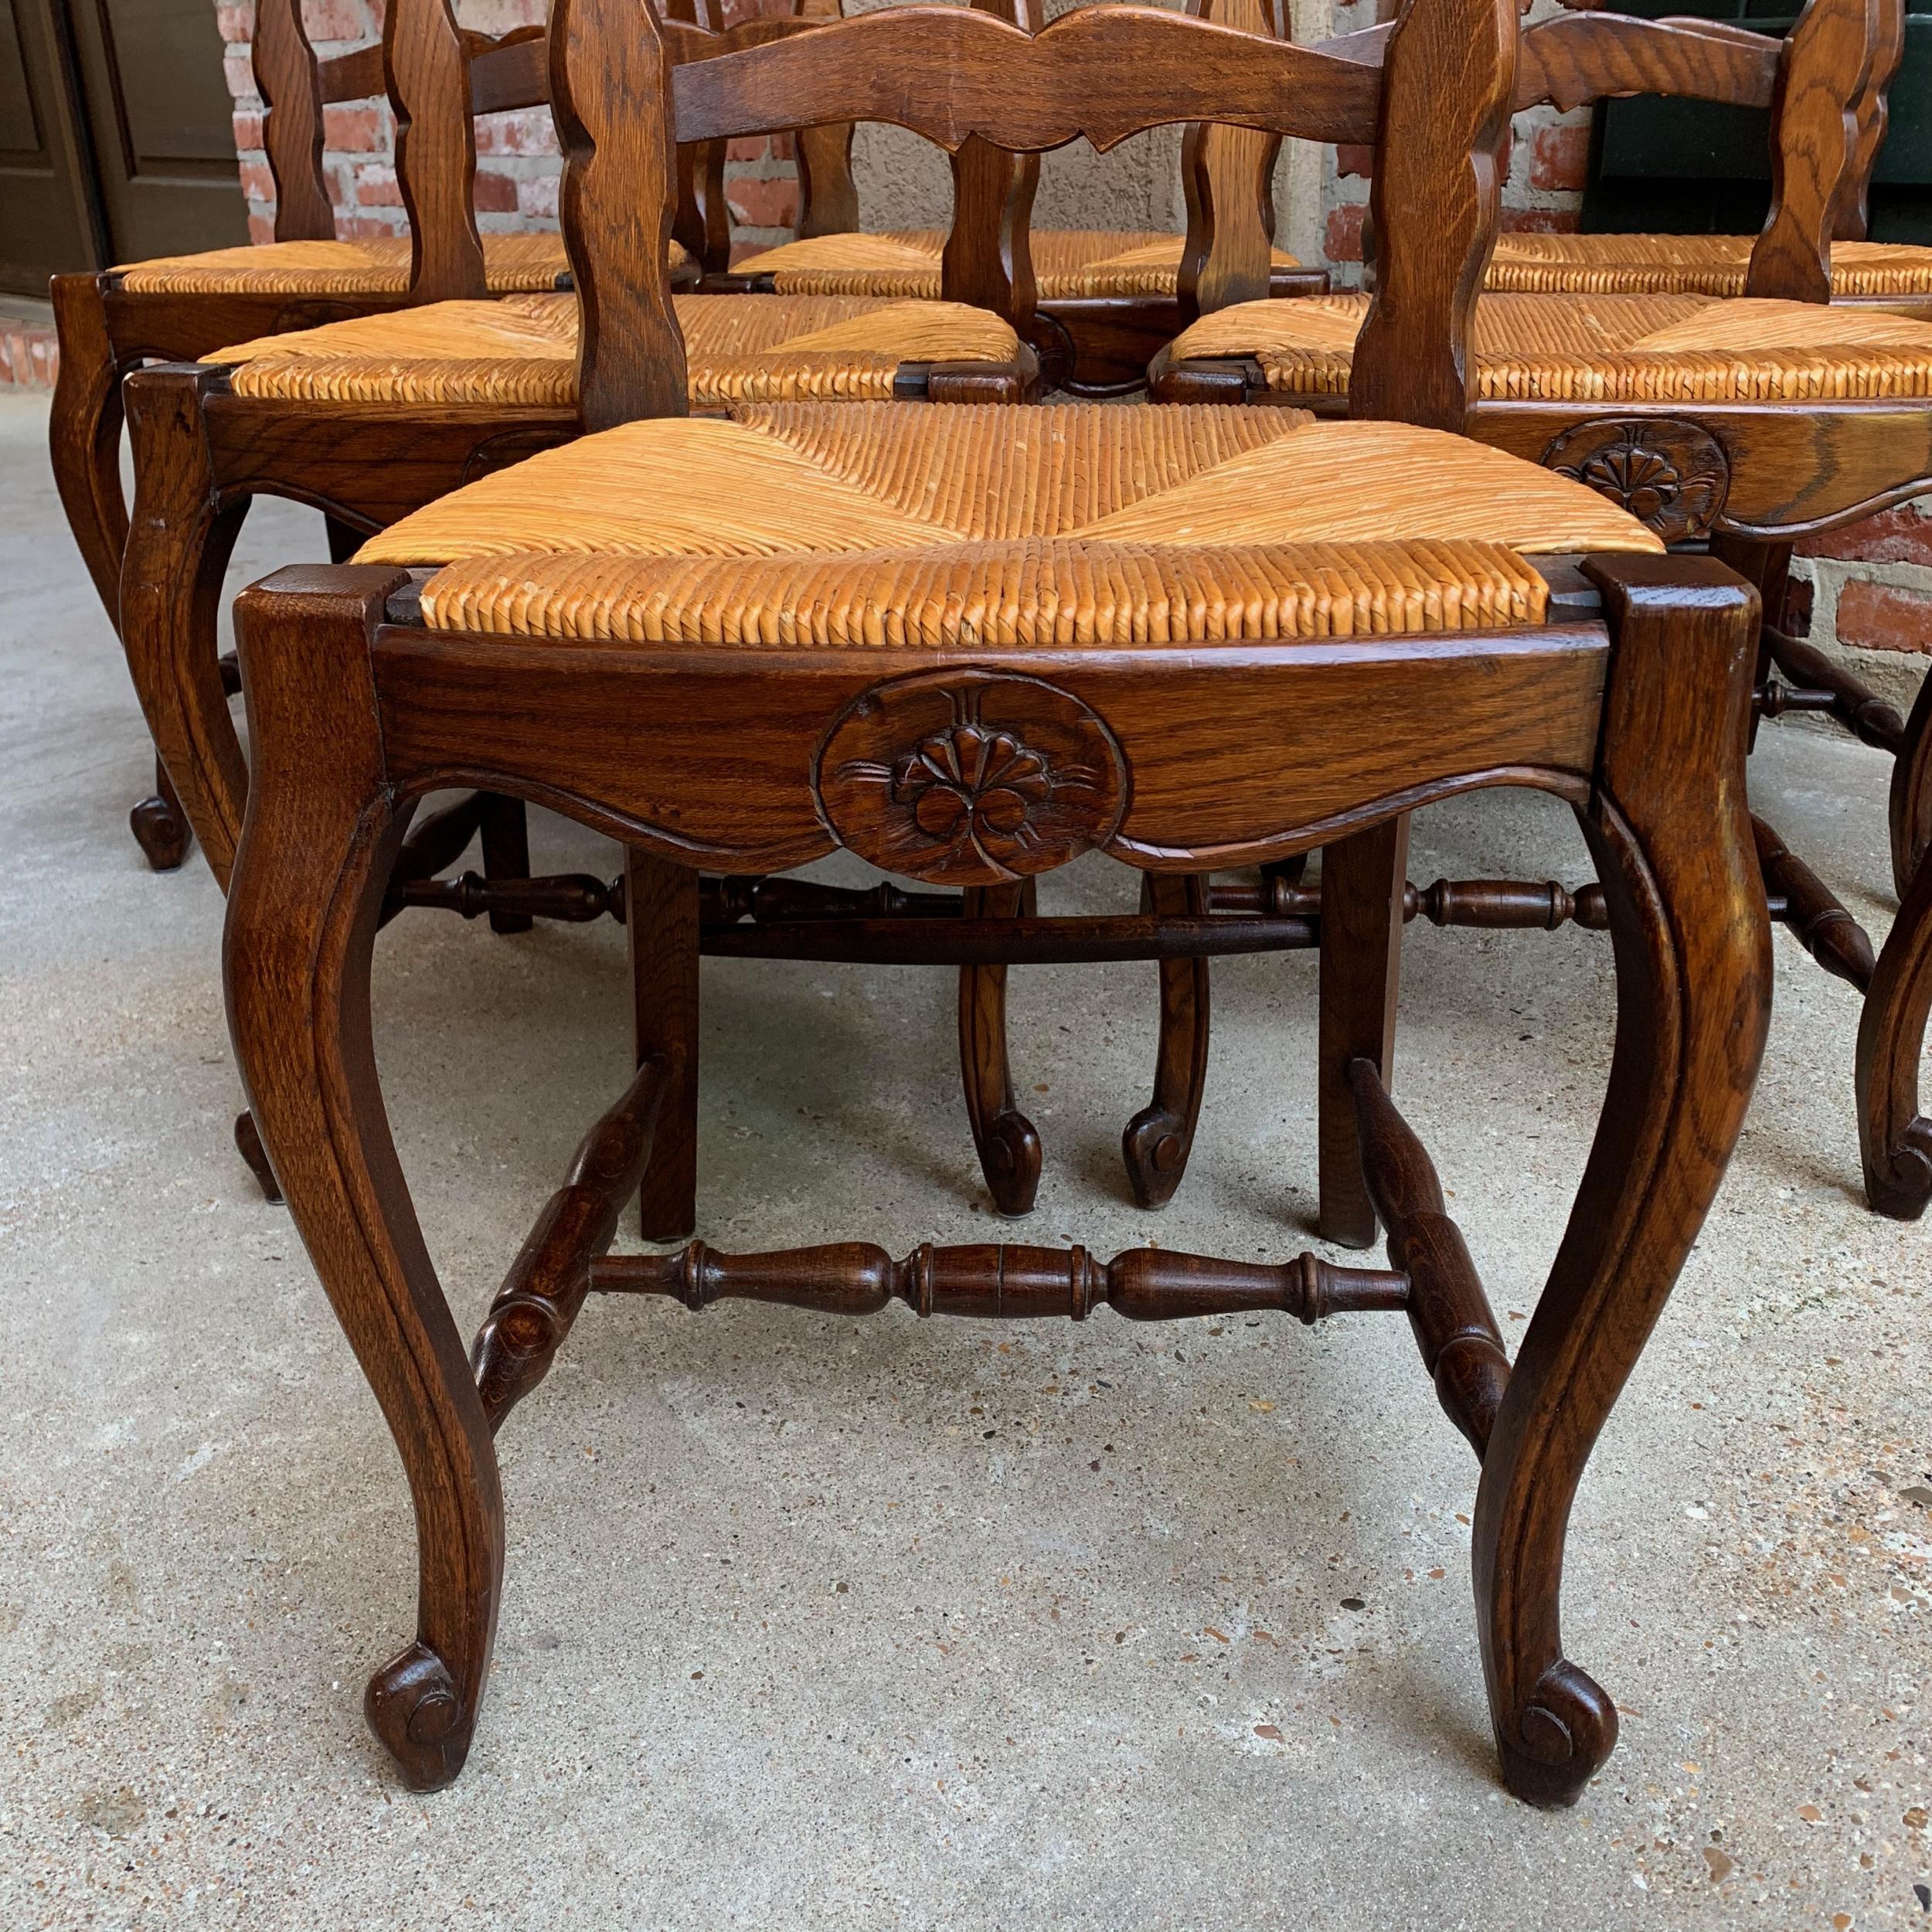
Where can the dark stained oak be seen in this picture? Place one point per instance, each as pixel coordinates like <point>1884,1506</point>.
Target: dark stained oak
<point>1648,743</point>
<point>1750,477</point>
<point>1157,1140</point>
<point>661,916</point>
<point>1362,882</point>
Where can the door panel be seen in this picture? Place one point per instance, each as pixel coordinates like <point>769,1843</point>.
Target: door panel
<point>47,219</point>
<point>158,110</point>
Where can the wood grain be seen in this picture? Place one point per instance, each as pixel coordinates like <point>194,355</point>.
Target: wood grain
<point>284,67</point>
<point>1103,71</point>
<point>429,89</point>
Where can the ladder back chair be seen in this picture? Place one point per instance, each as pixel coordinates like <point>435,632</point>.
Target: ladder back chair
<point>1096,304</point>
<point>372,416</point>
<point>1895,275</point>
<point>1185,663</point>
<point>1744,422</point>
<point>180,308</point>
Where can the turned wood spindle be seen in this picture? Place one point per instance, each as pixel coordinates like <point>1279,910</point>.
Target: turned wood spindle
<point>1801,900</point>
<point>544,1288</point>
<point>995,1283</point>
<point>1496,904</point>
<point>1462,1348</point>
<point>1848,699</point>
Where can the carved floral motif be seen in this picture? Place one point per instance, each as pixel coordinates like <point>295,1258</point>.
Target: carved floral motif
<point>966,778</point>
<point>1672,476</point>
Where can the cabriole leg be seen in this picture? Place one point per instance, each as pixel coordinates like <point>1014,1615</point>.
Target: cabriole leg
<point>83,433</point>
<point>307,894</point>
<point>1670,829</point>
<point>1159,1138</point>
<point>1895,1137</point>
<point>1911,813</point>
<point>1009,1147</point>
<point>178,551</point>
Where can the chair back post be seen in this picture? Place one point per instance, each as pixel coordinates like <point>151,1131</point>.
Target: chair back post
<point>427,68</point>
<point>1871,117</point>
<point>987,260</point>
<point>828,195</point>
<point>288,81</point>
<point>1448,76</point>
<point>610,93</point>
<point>1822,76</point>
<point>702,226</point>
<point>1227,176</point>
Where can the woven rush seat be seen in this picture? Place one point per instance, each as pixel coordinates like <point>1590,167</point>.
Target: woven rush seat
<point>512,264</point>
<point>802,524</point>
<point>1688,265</point>
<point>1068,262</point>
<point>1608,348</point>
<point>522,351</point>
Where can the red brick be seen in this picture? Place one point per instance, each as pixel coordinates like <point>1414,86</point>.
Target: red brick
<point>256,182</point>
<point>356,127</point>
<point>764,203</point>
<point>756,147</point>
<point>1879,617</point>
<point>527,131</point>
<point>248,130</point>
<point>1902,536</point>
<point>377,187</point>
<point>1343,239</point>
<point>366,228</point>
<point>236,20</point>
<point>536,199</point>
<point>261,230</point>
<point>353,20</point>
<point>1559,158</point>
<point>1538,221</point>
<point>240,76</point>
<point>1350,158</point>
<point>495,194</point>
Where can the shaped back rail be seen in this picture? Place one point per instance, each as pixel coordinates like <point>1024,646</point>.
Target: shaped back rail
<point>1871,116</point>
<point>437,76</point>
<point>952,75</point>
<point>1824,84</point>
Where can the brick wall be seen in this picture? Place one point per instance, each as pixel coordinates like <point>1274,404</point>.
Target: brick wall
<point>517,163</point>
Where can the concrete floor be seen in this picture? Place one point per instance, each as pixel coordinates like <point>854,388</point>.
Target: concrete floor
<point>809,1623</point>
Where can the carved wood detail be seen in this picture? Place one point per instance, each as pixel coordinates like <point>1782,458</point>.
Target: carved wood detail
<point>1670,475</point>
<point>967,778</point>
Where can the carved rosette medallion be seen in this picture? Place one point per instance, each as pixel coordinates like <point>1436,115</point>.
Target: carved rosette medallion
<point>1672,476</point>
<point>969,778</point>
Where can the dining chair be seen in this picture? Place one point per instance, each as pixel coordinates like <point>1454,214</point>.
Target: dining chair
<point>1096,304</point>
<point>180,308</point>
<point>1742,424</point>
<point>969,646</point>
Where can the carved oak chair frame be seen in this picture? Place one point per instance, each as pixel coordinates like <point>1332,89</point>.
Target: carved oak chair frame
<point>108,329</point>
<point>1093,346</point>
<point>203,453</point>
<point>1870,115</point>
<point>1749,479</point>
<point>1631,703</point>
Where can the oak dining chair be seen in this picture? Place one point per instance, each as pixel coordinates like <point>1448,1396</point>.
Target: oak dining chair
<point>968,646</point>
